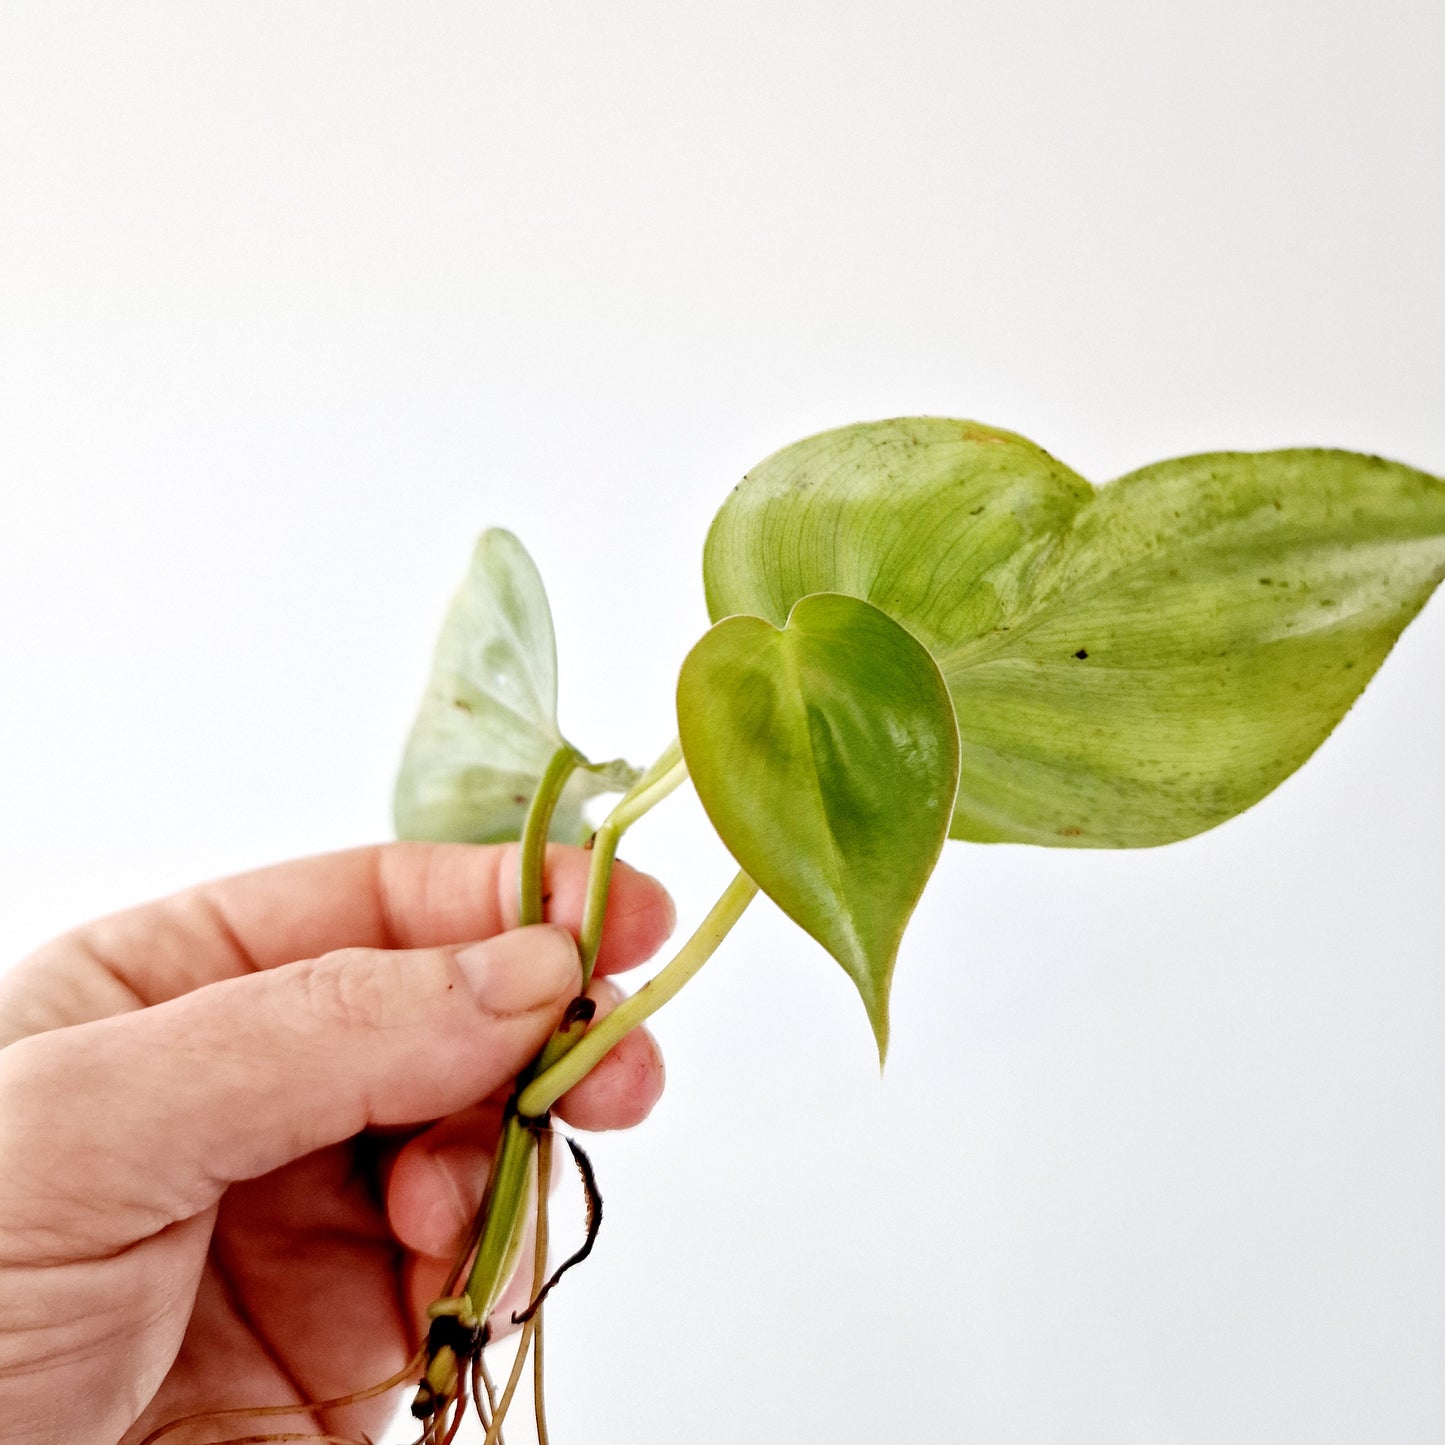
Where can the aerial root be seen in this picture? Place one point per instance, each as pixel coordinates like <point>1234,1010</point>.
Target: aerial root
<point>444,1427</point>
<point>484,1394</point>
<point>294,1435</point>
<point>260,1412</point>
<point>459,1414</point>
<point>594,1226</point>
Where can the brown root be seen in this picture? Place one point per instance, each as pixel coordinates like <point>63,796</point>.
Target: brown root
<point>261,1412</point>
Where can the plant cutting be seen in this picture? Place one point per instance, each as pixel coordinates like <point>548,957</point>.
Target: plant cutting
<point>923,630</point>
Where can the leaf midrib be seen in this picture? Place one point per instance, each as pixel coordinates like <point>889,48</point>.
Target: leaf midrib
<point>794,673</point>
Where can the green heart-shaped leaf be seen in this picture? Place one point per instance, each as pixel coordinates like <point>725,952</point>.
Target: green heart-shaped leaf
<point>487,726</point>
<point>1130,665</point>
<point>826,755</point>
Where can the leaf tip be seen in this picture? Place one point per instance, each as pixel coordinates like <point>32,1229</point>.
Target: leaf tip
<point>875,1001</point>
<point>880,1034</point>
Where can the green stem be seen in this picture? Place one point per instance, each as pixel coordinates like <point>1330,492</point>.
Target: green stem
<point>661,768</point>
<point>563,764</point>
<point>505,1211</point>
<point>538,1096</point>
<point>650,789</point>
<point>505,1202</point>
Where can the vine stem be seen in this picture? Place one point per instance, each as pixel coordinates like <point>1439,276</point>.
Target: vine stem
<point>650,789</point>
<point>505,1199</point>
<point>504,1207</point>
<point>541,1093</point>
<point>564,762</point>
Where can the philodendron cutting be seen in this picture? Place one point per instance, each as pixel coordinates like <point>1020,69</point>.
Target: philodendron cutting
<point>922,630</point>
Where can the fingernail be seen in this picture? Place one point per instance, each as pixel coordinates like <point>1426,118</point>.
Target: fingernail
<point>521,970</point>
<point>671,913</point>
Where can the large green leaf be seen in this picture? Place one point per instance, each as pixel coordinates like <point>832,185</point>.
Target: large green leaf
<point>1130,665</point>
<point>826,755</point>
<point>487,726</point>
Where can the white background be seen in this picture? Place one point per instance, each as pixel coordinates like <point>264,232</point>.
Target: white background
<point>298,297</point>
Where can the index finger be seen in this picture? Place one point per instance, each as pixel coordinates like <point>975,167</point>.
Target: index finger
<point>395,896</point>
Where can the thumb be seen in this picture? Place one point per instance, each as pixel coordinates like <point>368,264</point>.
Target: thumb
<point>145,1118</point>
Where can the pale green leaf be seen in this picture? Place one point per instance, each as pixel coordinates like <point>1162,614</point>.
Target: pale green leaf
<point>826,755</point>
<point>487,725</point>
<point>1129,665</point>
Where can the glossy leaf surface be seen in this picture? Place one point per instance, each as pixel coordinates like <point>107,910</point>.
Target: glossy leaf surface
<point>1131,664</point>
<point>487,726</point>
<point>826,755</point>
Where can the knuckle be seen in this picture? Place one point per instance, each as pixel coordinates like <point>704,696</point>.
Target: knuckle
<point>347,988</point>
<point>34,1083</point>
<point>358,988</point>
<point>32,1073</point>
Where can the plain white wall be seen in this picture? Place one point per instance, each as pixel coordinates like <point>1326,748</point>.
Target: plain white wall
<point>298,297</point>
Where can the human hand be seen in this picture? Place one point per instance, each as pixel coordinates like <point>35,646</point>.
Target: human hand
<point>220,1179</point>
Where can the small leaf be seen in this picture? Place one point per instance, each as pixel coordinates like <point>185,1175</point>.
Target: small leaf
<point>1130,665</point>
<point>826,755</point>
<point>487,726</point>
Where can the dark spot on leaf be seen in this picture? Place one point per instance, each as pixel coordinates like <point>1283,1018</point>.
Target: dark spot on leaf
<point>463,704</point>
<point>1081,654</point>
<point>1265,582</point>
<point>520,799</point>
<point>1073,831</point>
<point>975,511</point>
